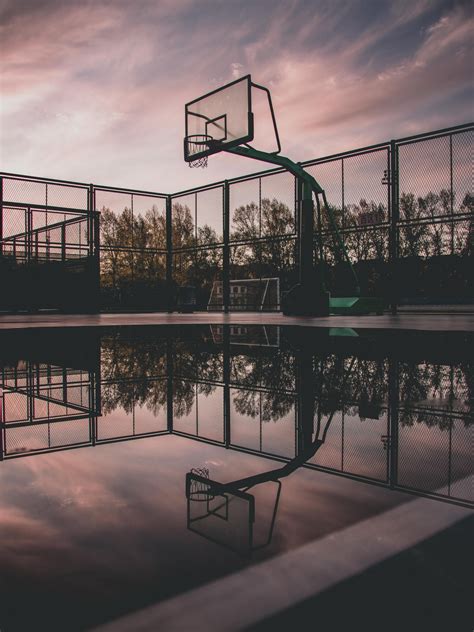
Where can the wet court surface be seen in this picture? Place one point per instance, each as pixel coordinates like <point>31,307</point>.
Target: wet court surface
<point>142,462</point>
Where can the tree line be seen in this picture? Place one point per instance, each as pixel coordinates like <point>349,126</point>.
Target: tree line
<point>133,246</point>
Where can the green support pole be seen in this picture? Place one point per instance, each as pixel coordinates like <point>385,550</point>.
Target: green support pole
<point>310,297</point>
<point>306,232</point>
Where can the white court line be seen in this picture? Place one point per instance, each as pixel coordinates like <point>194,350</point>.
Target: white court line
<point>260,591</point>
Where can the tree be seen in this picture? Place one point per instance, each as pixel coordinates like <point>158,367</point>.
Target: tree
<point>246,222</point>
<point>182,226</point>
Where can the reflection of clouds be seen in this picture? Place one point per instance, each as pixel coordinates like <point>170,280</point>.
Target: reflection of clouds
<point>112,518</point>
<point>95,75</point>
<point>113,491</point>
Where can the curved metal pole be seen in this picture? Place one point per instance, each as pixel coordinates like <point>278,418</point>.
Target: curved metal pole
<point>298,171</point>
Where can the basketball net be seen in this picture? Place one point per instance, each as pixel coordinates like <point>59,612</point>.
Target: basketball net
<point>195,145</point>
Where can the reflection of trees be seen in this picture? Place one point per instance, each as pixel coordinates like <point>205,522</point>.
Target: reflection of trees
<point>144,392</point>
<point>197,364</point>
<point>130,363</point>
<point>132,358</point>
<point>183,398</point>
<point>264,381</point>
<point>274,371</point>
<point>349,382</point>
<point>267,406</point>
<point>267,370</point>
<point>442,388</point>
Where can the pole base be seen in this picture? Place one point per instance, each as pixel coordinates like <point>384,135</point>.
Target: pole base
<point>302,300</point>
<point>357,305</point>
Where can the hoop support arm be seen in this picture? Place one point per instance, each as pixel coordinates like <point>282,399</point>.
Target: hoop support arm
<point>298,171</point>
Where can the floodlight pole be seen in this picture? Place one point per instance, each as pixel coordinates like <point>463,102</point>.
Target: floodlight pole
<point>304,301</point>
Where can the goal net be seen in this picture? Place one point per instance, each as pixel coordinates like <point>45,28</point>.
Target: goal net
<point>253,295</point>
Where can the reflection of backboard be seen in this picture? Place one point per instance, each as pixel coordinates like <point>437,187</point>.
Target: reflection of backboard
<point>223,116</point>
<point>222,516</point>
<point>226,513</point>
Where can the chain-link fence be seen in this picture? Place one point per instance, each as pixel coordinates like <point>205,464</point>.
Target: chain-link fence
<point>49,245</point>
<point>404,209</point>
<point>132,248</point>
<point>45,407</point>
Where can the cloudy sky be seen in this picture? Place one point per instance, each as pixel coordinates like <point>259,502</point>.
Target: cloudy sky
<point>94,90</point>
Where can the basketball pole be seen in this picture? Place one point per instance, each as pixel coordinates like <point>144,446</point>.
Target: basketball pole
<point>310,296</point>
<point>302,299</point>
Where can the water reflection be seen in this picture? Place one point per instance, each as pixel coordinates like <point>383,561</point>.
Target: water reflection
<point>399,404</point>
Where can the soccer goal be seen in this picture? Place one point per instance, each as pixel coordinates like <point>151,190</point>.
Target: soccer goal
<point>251,295</point>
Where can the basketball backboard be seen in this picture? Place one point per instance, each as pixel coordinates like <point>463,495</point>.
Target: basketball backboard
<point>222,117</point>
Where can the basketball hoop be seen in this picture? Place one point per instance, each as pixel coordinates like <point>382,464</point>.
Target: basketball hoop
<point>196,144</point>
<point>199,490</point>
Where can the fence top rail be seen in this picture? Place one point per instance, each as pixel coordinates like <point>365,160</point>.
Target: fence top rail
<point>345,154</point>
<point>28,178</point>
<point>268,172</point>
<point>67,222</point>
<point>102,187</point>
<point>457,129</point>
<point>50,208</point>
<point>219,184</point>
<point>76,184</point>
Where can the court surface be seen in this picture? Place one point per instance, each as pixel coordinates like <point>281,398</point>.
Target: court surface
<point>428,322</point>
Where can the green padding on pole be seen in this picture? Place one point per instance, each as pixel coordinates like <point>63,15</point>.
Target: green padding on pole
<point>359,305</point>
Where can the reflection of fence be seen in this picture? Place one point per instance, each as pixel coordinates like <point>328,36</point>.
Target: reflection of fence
<point>405,210</point>
<point>45,407</point>
<point>400,423</point>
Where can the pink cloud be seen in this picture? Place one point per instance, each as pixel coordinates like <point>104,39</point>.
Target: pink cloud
<point>96,92</point>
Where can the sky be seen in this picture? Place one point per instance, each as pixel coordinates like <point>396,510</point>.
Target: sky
<point>94,91</point>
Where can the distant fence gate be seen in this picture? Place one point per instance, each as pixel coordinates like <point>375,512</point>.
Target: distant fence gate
<point>405,210</point>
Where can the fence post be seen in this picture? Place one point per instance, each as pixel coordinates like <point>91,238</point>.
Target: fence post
<point>169,385</point>
<point>169,255</point>
<point>28,236</point>
<point>451,192</point>
<point>1,216</point>
<point>63,243</point>
<point>2,450</point>
<point>226,403</point>
<point>394,218</point>
<point>94,246</point>
<point>393,419</point>
<point>226,251</point>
